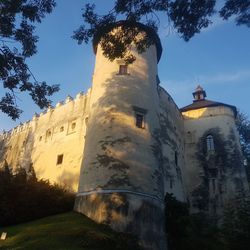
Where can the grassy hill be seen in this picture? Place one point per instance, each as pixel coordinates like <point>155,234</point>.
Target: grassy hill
<point>70,231</point>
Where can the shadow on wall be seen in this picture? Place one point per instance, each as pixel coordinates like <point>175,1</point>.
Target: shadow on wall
<point>68,180</point>
<point>120,143</point>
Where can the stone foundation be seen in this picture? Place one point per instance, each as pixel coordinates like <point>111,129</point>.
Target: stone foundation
<point>126,212</point>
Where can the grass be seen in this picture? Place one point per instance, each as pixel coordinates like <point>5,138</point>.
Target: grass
<point>70,231</point>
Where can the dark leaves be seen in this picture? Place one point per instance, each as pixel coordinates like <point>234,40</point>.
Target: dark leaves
<point>40,91</point>
<point>16,18</point>
<point>238,8</point>
<point>8,106</point>
<point>188,17</point>
<point>25,36</point>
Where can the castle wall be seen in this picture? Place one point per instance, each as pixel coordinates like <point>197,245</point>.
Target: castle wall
<point>171,143</point>
<point>119,159</point>
<point>58,132</point>
<point>213,177</point>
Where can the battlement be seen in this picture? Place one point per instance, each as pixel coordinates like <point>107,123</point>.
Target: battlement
<point>22,127</point>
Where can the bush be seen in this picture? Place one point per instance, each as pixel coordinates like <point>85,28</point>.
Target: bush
<point>24,198</point>
<point>190,231</point>
<point>236,224</point>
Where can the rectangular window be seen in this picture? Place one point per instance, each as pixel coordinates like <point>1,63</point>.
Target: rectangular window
<point>59,159</point>
<point>139,120</point>
<point>139,116</point>
<point>176,158</point>
<point>123,69</point>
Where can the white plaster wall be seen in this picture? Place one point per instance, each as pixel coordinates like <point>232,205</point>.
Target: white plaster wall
<point>172,142</point>
<point>112,120</point>
<point>31,144</point>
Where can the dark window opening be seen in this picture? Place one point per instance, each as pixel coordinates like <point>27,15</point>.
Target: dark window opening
<point>62,129</point>
<point>176,158</point>
<point>30,167</point>
<point>48,133</point>
<point>73,125</point>
<point>59,159</point>
<point>139,120</point>
<point>213,184</point>
<point>171,183</point>
<point>86,120</point>
<point>123,70</point>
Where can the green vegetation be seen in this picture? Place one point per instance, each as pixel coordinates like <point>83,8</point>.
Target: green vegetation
<point>18,42</point>
<point>65,231</point>
<point>197,231</point>
<point>25,198</point>
<point>243,125</point>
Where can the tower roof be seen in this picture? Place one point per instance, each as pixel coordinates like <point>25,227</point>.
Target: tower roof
<point>199,94</point>
<point>150,32</point>
<point>200,102</point>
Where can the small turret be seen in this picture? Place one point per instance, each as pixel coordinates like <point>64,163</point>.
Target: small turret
<point>199,94</point>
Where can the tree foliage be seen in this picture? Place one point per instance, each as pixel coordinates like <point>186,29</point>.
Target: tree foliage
<point>17,43</point>
<point>25,198</point>
<point>197,231</point>
<point>236,224</point>
<point>189,231</point>
<point>187,17</point>
<point>243,125</point>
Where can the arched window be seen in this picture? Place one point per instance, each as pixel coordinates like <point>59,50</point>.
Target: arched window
<point>210,143</point>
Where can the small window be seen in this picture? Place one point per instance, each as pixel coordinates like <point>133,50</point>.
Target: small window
<point>86,120</point>
<point>73,125</point>
<point>210,143</point>
<point>48,133</point>
<point>176,158</point>
<point>123,69</point>
<point>61,129</point>
<point>139,116</point>
<point>40,138</point>
<point>171,183</point>
<point>213,185</point>
<point>59,159</point>
<point>139,120</point>
<point>30,168</point>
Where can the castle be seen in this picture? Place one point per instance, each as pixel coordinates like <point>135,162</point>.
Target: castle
<point>125,144</point>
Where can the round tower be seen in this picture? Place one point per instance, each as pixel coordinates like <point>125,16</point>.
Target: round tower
<point>120,180</point>
<point>215,174</point>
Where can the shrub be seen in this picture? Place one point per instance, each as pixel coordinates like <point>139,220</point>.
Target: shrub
<point>23,197</point>
<point>189,231</point>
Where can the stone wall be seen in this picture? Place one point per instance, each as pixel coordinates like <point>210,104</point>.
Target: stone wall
<point>213,176</point>
<point>52,142</point>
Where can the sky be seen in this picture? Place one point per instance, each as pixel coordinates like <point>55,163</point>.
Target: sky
<point>218,59</point>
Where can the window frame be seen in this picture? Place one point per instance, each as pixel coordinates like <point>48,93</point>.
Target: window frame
<point>210,143</point>
<point>123,69</point>
<point>139,120</point>
<point>59,159</point>
<point>140,112</point>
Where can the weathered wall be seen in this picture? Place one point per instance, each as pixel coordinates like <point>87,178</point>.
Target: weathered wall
<point>119,156</point>
<point>170,142</point>
<point>58,131</point>
<point>213,177</point>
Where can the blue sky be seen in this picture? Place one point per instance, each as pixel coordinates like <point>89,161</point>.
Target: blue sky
<point>218,58</point>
